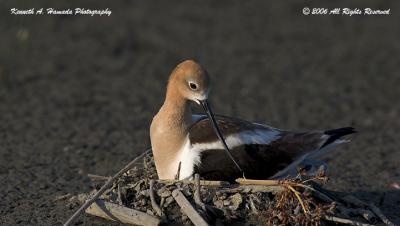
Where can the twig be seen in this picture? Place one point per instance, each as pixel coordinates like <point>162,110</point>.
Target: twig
<point>178,173</point>
<point>253,189</point>
<point>319,194</point>
<point>62,197</point>
<point>296,193</point>
<point>97,177</point>
<point>102,189</point>
<point>378,213</point>
<point>188,209</point>
<point>260,182</point>
<point>119,195</point>
<point>265,182</point>
<point>210,183</point>
<point>209,211</point>
<point>154,204</point>
<point>344,221</point>
<point>317,178</point>
<point>197,198</point>
<point>145,169</point>
<point>122,214</point>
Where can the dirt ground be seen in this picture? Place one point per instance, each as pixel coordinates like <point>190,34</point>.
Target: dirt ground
<point>77,93</point>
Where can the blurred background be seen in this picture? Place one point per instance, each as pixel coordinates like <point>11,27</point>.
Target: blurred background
<point>78,93</point>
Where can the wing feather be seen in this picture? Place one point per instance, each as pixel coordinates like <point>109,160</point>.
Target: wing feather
<point>235,131</point>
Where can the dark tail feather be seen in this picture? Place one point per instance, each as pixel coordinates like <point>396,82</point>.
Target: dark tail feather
<point>337,133</point>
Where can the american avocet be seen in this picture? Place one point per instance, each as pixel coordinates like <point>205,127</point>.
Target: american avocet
<point>189,144</point>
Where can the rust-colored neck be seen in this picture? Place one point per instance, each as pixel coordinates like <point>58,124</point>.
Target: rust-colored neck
<point>177,108</point>
<point>169,131</point>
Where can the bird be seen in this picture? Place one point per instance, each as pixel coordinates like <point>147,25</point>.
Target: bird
<point>225,148</point>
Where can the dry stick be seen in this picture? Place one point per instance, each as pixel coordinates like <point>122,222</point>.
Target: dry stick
<point>378,213</point>
<point>62,197</point>
<point>253,189</point>
<point>319,194</point>
<point>263,182</point>
<point>153,200</point>
<point>268,182</point>
<point>188,209</point>
<point>212,183</point>
<point>119,195</point>
<point>345,221</point>
<point>318,178</point>
<point>197,198</point>
<point>97,177</point>
<point>122,214</point>
<point>104,188</point>
<point>277,183</point>
<point>296,193</point>
<point>178,173</point>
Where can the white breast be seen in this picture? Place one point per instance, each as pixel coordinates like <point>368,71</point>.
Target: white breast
<point>188,157</point>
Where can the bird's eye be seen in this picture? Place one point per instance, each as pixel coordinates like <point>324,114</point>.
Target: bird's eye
<point>192,85</point>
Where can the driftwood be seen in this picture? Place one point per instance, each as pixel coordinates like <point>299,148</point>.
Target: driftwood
<point>122,214</point>
<point>104,188</point>
<point>188,209</point>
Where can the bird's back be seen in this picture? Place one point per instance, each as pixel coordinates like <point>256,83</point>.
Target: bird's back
<point>260,150</point>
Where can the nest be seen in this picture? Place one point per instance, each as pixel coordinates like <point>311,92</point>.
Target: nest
<point>137,197</point>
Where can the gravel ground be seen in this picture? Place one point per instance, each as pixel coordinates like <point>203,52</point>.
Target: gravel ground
<point>77,93</point>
